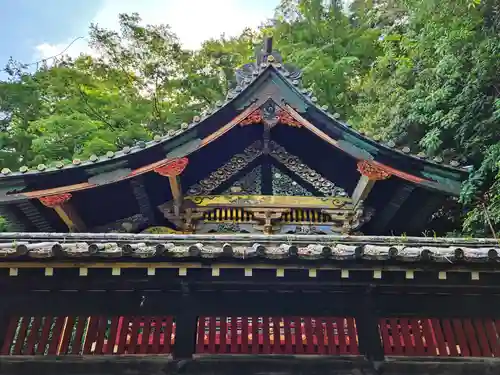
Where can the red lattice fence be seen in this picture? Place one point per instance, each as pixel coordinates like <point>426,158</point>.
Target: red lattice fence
<point>441,337</point>
<point>277,335</point>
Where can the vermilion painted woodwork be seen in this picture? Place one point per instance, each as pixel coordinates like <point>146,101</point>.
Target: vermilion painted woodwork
<point>373,172</point>
<point>287,119</point>
<point>55,200</point>
<point>254,118</point>
<point>172,167</point>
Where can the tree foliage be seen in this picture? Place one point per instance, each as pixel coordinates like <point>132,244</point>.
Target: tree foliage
<point>420,72</point>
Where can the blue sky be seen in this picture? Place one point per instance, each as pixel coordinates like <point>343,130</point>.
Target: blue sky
<point>35,29</point>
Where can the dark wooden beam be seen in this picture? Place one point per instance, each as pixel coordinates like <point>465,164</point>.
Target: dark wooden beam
<point>238,303</point>
<point>381,221</point>
<point>145,206</point>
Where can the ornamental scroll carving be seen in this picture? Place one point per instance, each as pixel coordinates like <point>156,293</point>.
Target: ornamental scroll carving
<point>271,114</point>
<point>372,171</point>
<point>172,167</point>
<point>305,173</point>
<point>55,200</point>
<point>224,173</point>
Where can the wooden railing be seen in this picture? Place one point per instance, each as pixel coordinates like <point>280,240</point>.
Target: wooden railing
<point>98,335</point>
<point>441,337</point>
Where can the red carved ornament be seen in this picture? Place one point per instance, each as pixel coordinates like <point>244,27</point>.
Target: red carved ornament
<point>55,200</point>
<point>373,172</point>
<point>172,167</point>
<point>253,118</point>
<point>287,119</point>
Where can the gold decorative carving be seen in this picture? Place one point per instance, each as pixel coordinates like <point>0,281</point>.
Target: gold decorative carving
<point>372,171</point>
<point>332,203</point>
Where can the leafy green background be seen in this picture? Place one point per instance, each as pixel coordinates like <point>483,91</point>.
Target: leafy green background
<point>423,73</point>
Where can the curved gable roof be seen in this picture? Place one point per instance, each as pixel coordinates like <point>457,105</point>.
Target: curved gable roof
<point>267,78</point>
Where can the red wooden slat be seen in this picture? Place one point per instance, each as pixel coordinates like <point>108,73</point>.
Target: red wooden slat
<point>460,335</point>
<point>102,327</point>
<point>134,335</point>
<point>113,335</point>
<point>332,342</point>
<point>386,340</point>
<point>255,335</point>
<point>497,325</point>
<point>223,335</point>
<point>169,334</point>
<point>409,348</point>
<point>44,336</point>
<point>491,333</point>
<point>21,335</point>
<point>56,335</point>
<point>308,328</point>
<point>266,342</point>
<point>450,337</point>
<point>318,330</point>
<point>78,340</point>
<point>396,337</point>
<point>353,339</point>
<point>155,349</point>
<point>342,340</point>
<point>91,335</point>
<point>437,330</point>
<point>244,335</point>
<point>144,348</point>
<point>200,340</point>
<point>234,335</point>
<point>417,336</point>
<point>66,334</point>
<point>481,336</point>
<point>9,335</point>
<point>33,336</point>
<point>123,334</point>
<point>429,338</point>
<point>470,335</point>
<point>299,347</point>
<point>276,335</point>
<point>288,335</point>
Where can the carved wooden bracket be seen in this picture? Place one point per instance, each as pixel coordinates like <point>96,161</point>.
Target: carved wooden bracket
<point>253,118</point>
<point>172,167</point>
<point>372,171</point>
<point>55,200</point>
<point>286,118</point>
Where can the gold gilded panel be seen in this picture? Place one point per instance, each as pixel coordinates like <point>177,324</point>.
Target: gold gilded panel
<point>270,201</point>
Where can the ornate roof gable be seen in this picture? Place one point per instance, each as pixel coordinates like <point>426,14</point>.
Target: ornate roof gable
<point>267,79</point>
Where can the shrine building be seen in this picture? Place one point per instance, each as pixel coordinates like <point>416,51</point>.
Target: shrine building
<point>265,236</point>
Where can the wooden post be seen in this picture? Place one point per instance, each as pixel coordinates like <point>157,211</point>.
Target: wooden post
<point>186,323</point>
<point>175,187</point>
<point>172,169</point>
<point>362,189</point>
<point>370,343</point>
<point>61,205</point>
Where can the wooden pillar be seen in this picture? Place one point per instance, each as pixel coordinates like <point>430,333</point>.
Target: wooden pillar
<point>61,205</point>
<point>173,169</point>
<point>370,342</point>
<point>186,323</point>
<point>370,173</point>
